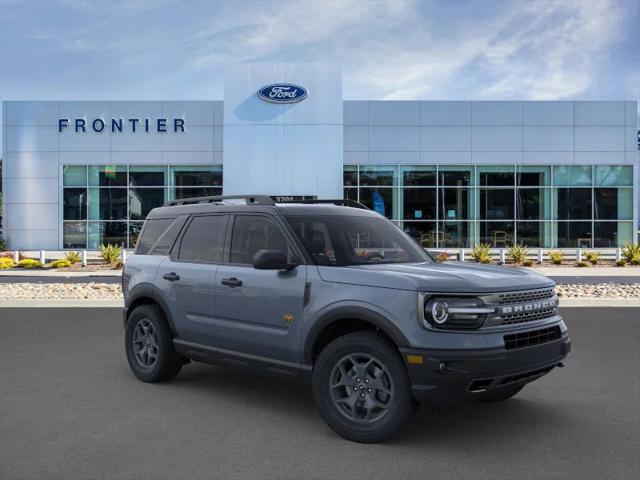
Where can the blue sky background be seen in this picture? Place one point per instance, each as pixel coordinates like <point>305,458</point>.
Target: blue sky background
<point>483,49</point>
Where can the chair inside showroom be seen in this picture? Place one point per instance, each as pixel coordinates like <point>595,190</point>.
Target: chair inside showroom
<point>499,238</point>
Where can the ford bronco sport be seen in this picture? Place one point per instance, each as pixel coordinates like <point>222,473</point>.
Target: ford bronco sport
<point>334,294</point>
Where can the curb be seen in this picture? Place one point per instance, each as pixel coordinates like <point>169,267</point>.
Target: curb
<point>82,303</point>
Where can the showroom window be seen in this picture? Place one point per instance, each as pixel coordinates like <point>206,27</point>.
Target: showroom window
<point>108,203</point>
<point>452,206</point>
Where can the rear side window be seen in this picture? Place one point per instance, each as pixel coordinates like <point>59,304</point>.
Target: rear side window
<point>150,234</point>
<point>203,241</point>
<point>168,238</point>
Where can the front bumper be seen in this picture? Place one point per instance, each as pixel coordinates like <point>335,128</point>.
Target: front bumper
<point>447,376</point>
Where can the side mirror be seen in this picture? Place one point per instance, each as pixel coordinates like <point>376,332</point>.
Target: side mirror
<point>272,260</point>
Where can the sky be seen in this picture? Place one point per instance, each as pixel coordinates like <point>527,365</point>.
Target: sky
<point>400,50</point>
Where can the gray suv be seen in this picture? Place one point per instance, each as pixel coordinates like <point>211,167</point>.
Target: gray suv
<point>334,294</point>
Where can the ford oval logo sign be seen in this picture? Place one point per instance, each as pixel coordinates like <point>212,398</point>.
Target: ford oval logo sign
<point>283,93</point>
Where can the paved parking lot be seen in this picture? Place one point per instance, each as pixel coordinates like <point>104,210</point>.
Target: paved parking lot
<point>70,409</point>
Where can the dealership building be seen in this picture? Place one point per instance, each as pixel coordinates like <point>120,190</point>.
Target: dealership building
<point>450,173</point>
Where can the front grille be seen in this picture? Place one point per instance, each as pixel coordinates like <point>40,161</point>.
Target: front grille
<point>528,339</point>
<point>525,295</point>
<point>528,317</point>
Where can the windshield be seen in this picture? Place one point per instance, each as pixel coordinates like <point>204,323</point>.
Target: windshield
<point>341,240</point>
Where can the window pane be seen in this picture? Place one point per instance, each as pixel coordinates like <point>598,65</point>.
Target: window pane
<point>613,203</point>
<point>419,176</point>
<point>193,176</point>
<point>107,204</point>
<point>496,204</point>
<point>454,234</point>
<point>350,194</point>
<point>350,176</point>
<point>532,234</point>
<point>455,204</point>
<point>613,234</point>
<point>74,204</point>
<point>569,175</point>
<point>496,175</point>
<point>574,234</point>
<point>455,175</point>
<point>203,240</point>
<point>378,175</point>
<point>147,175</point>
<point>107,232</point>
<point>533,203</point>
<point>379,200</point>
<point>615,175</point>
<point>74,176</point>
<point>533,175</point>
<point>164,244</point>
<point>152,231</point>
<point>252,233</point>
<point>75,235</point>
<point>143,200</point>
<point>179,193</point>
<point>107,175</point>
<point>419,203</point>
<point>134,233</point>
<point>574,203</point>
<point>497,234</point>
<point>424,233</point>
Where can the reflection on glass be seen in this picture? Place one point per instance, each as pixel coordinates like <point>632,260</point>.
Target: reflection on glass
<point>613,203</point>
<point>533,203</point>
<point>350,194</point>
<point>191,176</point>
<point>424,233</point>
<point>496,175</point>
<point>74,204</point>
<point>614,175</point>
<point>134,233</point>
<point>531,234</point>
<point>112,204</point>
<point>74,235</point>
<point>74,175</point>
<point>350,176</point>
<point>572,175</point>
<point>378,175</point>
<point>497,234</point>
<point>496,204</point>
<point>534,175</point>
<point>574,235</point>
<point>612,234</point>
<point>143,200</point>
<point>455,204</point>
<point>147,175</point>
<point>179,193</point>
<point>107,175</point>
<point>107,232</point>
<point>455,175</point>
<point>454,235</point>
<point>419,176</point>
<point>419,203</point>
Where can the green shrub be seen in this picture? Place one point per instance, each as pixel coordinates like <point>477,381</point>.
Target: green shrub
<point>528,263</point>
<point>518,253</point>
<point>592,257</point>
<point>29,263</point>
<point>3,245</point>
<point>556,256</point>
<point>481,253</point>
<point>6,263</point>
<point>61,263</point>
<point>110,253</point>
<point>621,263</point>
<point>631,253</point>
<point>442,257</point>
<point>73,257</point>
<point>582,263</point>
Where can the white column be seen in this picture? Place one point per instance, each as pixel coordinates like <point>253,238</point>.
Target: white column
<point>540,255</point>
<point>84,258</point>
<point>42,259</point>
<point>502,256</point>
<point>578,255</point>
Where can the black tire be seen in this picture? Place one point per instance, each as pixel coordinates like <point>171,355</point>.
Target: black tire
<point>163,364</point>
<point>385,372</point>
<point>500,394</point>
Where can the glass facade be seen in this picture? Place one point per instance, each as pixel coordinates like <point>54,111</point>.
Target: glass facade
<point>108,203</point>
<point>537,205</point>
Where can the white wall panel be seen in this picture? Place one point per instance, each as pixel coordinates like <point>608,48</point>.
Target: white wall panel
<point>394,113</point>
<point>32,216</point>
<point>548,139</point>
<point>496,157</point>
<point>496,113</point>
<point>631,110</point>
<point>193,139</point>
<point>185,158</point>
<point>496,139</point>
<point>445,113</point>
<point>396,139</point>
<point>39,239</point>
<point>194,112</point>
<point>356,112</point>
<point>600,139</point>
<point>30,164</point>
<point>90,141</point>
<point>31,113</point>
<point>434,158</point>
<point>545,158</point>
<point>88,111</point>
<point>600,113</point>
<point>81,158</point>
<point>548,113</point>
<point>440,139</point>
<point>30,139</point>
<point>26,190</point>
<point>382,158</point>
<point>598,157</point>
<point>356,139</point>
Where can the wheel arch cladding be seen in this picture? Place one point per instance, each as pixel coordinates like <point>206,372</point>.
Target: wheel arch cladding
<point>343,320</point>
<point>146,296</point>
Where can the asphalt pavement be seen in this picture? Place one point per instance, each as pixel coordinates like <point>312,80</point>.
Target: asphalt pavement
<point>71,409</point>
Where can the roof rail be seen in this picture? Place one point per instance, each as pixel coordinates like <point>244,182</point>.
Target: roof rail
<point>250,199</point>
<point>341,202</point>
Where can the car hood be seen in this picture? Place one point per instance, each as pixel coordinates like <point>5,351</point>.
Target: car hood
<point>450,277</point>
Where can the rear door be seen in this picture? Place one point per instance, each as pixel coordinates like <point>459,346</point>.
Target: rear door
<point>187,277</point>
<point>259,312</point>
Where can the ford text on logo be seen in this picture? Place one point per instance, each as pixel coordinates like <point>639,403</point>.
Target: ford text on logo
<point>98,125</point>
<point>283,93</point>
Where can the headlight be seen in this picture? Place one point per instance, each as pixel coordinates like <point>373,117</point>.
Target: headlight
<point>455,312</point>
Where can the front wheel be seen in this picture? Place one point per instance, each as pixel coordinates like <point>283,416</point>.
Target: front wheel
<point>149,345</point>
<point>361,387</point>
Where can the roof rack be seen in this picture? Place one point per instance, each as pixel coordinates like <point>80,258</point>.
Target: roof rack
<point>341,202</point>
<point>250,199</point>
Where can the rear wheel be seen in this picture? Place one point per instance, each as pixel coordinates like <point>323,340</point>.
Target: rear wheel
<point>149,345</point>
<point>361,387</point>
<point>500,394</point>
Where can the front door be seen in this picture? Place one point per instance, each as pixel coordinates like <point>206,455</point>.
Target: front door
<point>187,277</point>
<point>259,312</point>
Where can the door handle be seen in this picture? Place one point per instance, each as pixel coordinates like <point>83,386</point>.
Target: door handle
<point>172,277</point>
<point>231,282</point>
